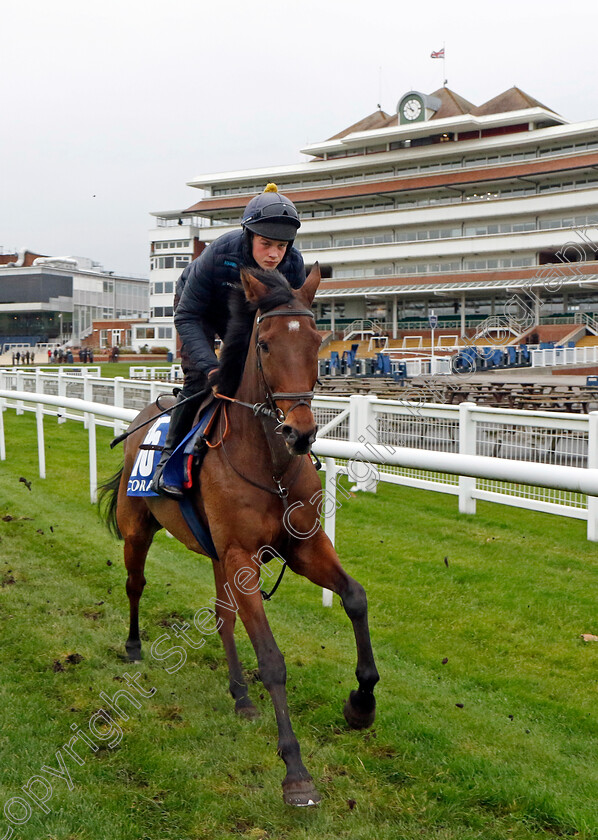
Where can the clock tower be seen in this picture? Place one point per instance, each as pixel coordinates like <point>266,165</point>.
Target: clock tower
<point>416,107</point>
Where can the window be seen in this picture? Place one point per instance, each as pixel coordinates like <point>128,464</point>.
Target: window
<point>164,332</point>
<point>158,288</point>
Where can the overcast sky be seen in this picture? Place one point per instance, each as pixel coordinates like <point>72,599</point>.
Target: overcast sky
<point>108,108</point>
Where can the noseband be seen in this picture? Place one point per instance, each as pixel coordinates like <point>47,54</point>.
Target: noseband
<point>302,397</point>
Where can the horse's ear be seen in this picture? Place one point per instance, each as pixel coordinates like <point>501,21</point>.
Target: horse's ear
<point>254,290</point>
<point>310,287</point>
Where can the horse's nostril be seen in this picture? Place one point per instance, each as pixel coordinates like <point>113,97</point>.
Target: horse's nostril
<point>289,433</point>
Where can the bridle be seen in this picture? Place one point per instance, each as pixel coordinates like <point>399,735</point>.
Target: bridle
<point>301,397</point>
<point>269,409</point>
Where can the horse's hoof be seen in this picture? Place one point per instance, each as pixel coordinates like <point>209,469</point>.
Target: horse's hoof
<point>133,653</point>
<point>246,709</point>
<point>360,715</point>
<point>300,794</point>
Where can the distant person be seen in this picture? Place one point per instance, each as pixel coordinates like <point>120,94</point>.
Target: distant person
<point>18,356</point>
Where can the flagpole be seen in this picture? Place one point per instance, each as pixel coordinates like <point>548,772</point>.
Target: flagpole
<point>445,80</point>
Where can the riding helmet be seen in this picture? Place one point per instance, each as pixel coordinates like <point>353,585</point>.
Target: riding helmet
<point>272,215</point>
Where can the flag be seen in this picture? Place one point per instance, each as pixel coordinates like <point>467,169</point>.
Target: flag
<point>439,54</point>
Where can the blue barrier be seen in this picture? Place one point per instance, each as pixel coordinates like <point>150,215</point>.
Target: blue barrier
<point>383,365</point>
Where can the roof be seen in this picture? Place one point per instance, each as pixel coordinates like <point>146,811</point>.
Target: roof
<point>379,119</point>
<point>482,284</point>
<point>23,258</point>
<point>453,105</point>
<point>513,99</point>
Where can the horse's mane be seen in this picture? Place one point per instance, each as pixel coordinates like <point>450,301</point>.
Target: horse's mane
<point>238,333</point>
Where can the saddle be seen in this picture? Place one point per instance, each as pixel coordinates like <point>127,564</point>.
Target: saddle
<point>185,461</point>
<point>181,468</point>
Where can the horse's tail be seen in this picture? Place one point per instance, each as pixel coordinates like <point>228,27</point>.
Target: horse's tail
<point>107,501</point>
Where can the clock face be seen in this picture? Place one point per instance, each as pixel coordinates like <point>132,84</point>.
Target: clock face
<point>412,109</point>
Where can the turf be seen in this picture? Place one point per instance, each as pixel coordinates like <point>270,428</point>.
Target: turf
<point>486,721</point>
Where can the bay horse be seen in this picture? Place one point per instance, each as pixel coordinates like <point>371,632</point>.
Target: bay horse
<point>257,470</point>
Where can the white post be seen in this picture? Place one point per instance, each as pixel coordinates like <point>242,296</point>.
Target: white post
<point>329,515</point>
<point>2,438</point>
<point>362,429</point>
<point>119,402</point>
<point>93,462</point>
<point>61,393</point>
<point>87,393</point>
<point>155,390</point>
<point>395,324</point>
<point>41,450</point>
<point>593,463</point>
<point>467,446</point>
<point>20,387</point>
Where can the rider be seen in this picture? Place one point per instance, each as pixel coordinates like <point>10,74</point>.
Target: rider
<point>269,226</point>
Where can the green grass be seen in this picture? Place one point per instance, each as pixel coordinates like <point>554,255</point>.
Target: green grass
<point>487,724</point>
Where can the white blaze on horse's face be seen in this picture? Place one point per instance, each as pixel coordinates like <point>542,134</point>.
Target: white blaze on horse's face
<point>293,326</point>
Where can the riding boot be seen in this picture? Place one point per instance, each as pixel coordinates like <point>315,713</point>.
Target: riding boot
<point>180,423</point>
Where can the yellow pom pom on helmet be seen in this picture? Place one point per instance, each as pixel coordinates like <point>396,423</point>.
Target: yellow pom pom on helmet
<point>270,188</point>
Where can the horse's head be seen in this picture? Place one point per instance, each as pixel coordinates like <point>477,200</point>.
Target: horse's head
<point>286,346</point>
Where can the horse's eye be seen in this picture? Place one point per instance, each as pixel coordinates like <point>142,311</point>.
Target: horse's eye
<point>263,346</point>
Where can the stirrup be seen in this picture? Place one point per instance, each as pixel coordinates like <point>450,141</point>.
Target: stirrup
<point>158,486</point>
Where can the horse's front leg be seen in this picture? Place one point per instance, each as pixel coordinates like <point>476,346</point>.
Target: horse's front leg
<point>225,618</point>
<point>316,559</point>
<point>243,593</point>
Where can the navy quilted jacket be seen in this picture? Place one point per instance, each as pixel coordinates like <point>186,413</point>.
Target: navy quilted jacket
<point>203,289</point>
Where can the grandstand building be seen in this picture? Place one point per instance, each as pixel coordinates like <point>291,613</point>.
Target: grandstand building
<point>443,206</point>
<point>56,299</point>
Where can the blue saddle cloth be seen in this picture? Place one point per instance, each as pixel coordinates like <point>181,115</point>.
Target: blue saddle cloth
<point>174,471</point>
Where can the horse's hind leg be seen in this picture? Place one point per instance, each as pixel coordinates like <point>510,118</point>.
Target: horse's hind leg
<point>225,620</point>
<point>316,559</point>
<point>138,529</point>
<point>136,549</point>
